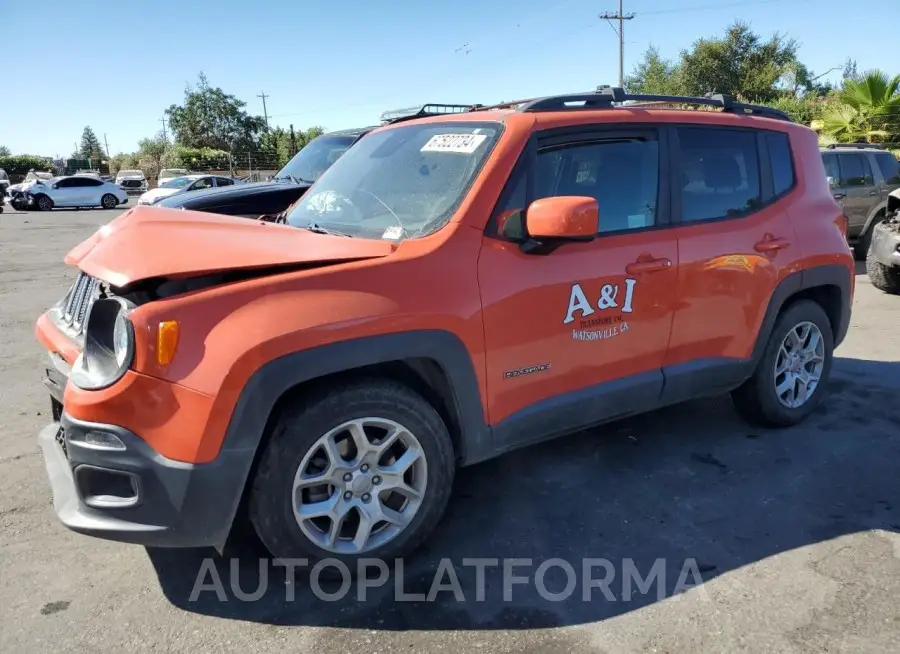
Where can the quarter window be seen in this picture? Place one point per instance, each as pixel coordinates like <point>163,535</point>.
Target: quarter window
<point>622,175</point>
<point>224,181</point>
<point>781,162</point>
<point>720,173</point>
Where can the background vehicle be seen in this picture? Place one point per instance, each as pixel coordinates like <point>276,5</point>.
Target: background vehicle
<point>862,175</point>
<point>330,376</point>
<point>132,181</point>
<point>4,184</point>
<point>74,191</point>
<point>170,173</point>
<point>89,173</point>
<point>185,184</point>
<point>883,257</point>
<point>291,182</point>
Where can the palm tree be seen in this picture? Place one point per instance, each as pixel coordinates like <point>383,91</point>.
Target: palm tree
<point>866,109</point>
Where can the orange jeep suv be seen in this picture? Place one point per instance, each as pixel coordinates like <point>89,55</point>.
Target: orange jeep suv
<point>450,289</point>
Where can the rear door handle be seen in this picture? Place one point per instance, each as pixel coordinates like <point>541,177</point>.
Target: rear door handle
<point>771,245</point>
<point>647,266</point>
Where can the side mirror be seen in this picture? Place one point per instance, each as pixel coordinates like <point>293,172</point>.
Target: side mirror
<point>832,182</point>
<point>55,186</point>
<point>550,222</point>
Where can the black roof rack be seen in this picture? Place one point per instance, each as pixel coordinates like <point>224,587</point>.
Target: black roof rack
<point>859,146</point>
<point>424,110</point>
<point>605,97</point>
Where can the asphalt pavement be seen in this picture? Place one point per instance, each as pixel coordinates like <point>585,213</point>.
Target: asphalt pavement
<point>793,534</point>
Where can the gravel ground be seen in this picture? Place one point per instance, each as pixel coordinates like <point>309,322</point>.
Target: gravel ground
<point>793,533</point>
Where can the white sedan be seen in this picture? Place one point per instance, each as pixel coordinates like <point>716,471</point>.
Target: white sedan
<point>75,191</point>
<point>185,184</point>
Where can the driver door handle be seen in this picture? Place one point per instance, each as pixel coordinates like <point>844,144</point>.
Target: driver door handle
<point>648,265</point>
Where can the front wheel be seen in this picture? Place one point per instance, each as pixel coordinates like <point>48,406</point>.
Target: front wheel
<point>360,470</point>
<point>44,203</point>
<point>109,201</point>
<point>884,278</point>
<point>793,370</point>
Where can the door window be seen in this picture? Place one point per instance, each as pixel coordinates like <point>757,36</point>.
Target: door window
<point>622,175</point>
<point>832,169</point>
<point>720,173</point>
<point>206,182</point>
<point>224,181</point>
<point>855,170</point>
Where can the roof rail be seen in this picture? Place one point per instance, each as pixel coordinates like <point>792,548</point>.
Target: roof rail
<point>605,96</point>
<point>859,146</point>
<point>424,110</point>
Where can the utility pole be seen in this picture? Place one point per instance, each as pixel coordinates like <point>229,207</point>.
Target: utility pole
<point>165,137</point>
<point>106,143</point>
<point>265,114</point>
<point>607,16</point>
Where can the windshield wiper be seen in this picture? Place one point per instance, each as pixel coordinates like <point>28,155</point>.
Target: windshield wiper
<point>318,229</point>
<point>296,180</point>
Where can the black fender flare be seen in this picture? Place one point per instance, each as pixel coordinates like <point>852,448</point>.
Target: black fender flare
<point>806,280</point>
<point>269,383</point>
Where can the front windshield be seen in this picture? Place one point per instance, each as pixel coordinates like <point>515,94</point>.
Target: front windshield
<point>315,158</point>
<point>398,183</point>
<point>177,182</point>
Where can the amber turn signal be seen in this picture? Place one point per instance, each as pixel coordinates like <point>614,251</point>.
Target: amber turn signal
<point>166,342</point>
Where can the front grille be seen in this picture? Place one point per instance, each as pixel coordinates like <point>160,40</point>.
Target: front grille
<point>131,183</point>
<point>78,302</point>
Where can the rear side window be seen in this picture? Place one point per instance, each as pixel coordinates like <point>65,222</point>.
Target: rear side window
<point>890,167</point>
<point>855,170</point>
<point>781,162</point>
<point>720,173</point>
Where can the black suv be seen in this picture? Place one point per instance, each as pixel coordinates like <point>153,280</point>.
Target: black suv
<point>291,182</point>
<point>862,175</point>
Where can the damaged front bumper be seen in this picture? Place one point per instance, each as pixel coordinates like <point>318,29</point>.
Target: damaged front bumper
<point>885,247</point>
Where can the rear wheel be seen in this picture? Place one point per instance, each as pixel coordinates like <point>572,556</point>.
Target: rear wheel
<point>359,470</point>
<point>790,376</point>
<point>44,203</point>
<point>109,201</point>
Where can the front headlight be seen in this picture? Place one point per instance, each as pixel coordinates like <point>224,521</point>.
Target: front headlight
<point>108,345</point>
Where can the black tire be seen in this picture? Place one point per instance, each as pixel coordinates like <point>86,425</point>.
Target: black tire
<point>43,203</point>
<point>884,278</point>
<point>299,427</point>
<point>109,201</point>
<point>756,400</point>
<point>861,249</point>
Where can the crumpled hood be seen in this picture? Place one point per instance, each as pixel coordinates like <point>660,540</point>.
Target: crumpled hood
<point>147,242</point>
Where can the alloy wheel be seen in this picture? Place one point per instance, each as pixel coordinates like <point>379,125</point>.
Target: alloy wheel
<point>799,365</point>
<point>360,485</point>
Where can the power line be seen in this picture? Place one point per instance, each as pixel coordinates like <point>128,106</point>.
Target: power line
<point>265,114</point>
<point>608,16</point>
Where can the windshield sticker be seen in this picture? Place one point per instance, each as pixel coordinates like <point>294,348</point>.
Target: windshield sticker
<point>457,143</point>
<point>613,305</point>
<point>393,232</point>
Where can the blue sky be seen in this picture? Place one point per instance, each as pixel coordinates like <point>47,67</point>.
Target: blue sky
<point>116,66</point>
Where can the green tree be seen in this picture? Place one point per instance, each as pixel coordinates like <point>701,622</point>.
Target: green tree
<point>4,151</point>
<point>211,118</point>
<point>866,108</point>
<point>738,64</point>
<point>151,153</point>
<point>90,146</point>
<point>655,75</point>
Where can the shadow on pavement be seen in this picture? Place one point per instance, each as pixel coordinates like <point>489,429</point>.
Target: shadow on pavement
<point>691,482</point>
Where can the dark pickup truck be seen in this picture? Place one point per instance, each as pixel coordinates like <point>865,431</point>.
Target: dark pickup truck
<point>291,182</point>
